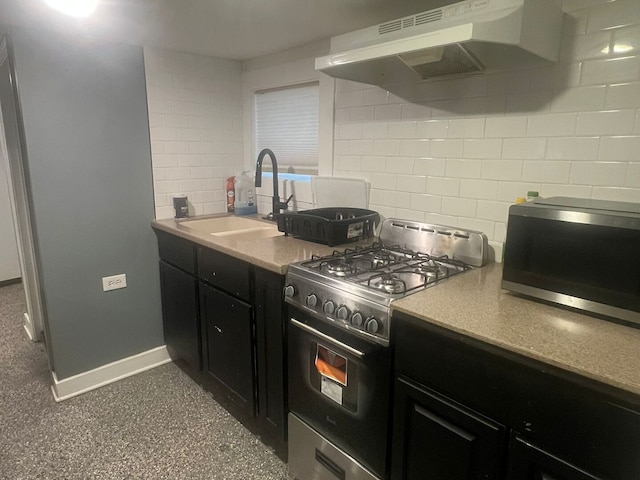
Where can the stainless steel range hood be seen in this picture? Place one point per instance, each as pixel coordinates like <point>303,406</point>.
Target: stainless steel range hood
<point>459,39</point>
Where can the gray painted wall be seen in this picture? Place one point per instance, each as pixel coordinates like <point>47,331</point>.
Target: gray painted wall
<point>89,173</point>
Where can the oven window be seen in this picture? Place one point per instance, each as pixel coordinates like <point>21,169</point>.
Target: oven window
<point>594,262</point>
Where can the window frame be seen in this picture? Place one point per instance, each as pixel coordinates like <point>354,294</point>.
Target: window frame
<point>278,74</point>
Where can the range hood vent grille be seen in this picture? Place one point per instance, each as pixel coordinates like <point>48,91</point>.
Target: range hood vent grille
<point>408,22</point>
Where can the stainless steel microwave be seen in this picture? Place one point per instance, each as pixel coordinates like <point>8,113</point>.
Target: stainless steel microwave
<point>581,253</point>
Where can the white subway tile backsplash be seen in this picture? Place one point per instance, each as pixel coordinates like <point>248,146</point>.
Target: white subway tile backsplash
<point>414,148</point>
<point>524,148</point>
<point>501,169</point>
<point>400,165</point>
<point>509,191</point>
<point>443,186</point>
<point>589,46</point>
<point>349,131</point>
<point>384,181</point>
<point>614,14</point>
<point>551,125</point>
<point>374,164</point>
<point>620,148</point>
<point>546,171</point>
<point>626,41</point>
<point>612,70</point>
<point>429,166</point>
<point>504,127</point>
<point>482,148</point>
<point>415,111</point>
<point>402,130</point>
<point>466,128</point>
<point>348,162</point>
<point>480,189</point>
<point>623,95</point>
<point>617,194</point>
<point>414,215</point>
<point>459,207</point>
<point>385,147</point>
<point>361,114</point>
<point>388,112</point>
<point>446,148</point>
<point>426,203</point>
<point>432,129</point>
<point>552,190</point>
<point>440,219</point>
<point>612,122</point>
<point>572,148</point>
<point>633,176</point>
<point>459,168</point>
<point>375,96</point>
<point>579,99</point>
<point>375,130</point>
<point>493,210</point>
<point>599,173</point>
<point>363,147</point>
<point>412,183</point>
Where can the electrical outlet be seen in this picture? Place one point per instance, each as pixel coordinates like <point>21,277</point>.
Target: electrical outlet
<point>114,282</point>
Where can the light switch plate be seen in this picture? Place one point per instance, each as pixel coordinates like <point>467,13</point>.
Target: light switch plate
<point>114,282</point>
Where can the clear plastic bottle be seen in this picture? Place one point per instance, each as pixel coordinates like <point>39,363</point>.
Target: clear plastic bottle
<point>245,203</point>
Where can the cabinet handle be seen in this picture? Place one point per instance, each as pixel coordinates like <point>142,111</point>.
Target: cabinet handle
<point>217,328</point>
<point>327,338</point>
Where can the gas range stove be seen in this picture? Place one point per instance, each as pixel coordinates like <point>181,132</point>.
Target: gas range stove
<point>354,288</point>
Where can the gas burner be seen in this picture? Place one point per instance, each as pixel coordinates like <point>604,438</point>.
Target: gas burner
<point>381,259</point>
<point>431,270</point>
<point>387,282</point>
<point>339,268</point>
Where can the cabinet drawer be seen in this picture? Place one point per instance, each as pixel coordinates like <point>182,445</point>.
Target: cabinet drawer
<point>177,251</point>
<point>225,272</point>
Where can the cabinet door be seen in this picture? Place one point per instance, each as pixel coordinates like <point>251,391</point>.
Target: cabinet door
<point>271,346</point>
<point>528,462</point>
<point>180,319</point>
<point>436,438</point>
<point>229,342</point>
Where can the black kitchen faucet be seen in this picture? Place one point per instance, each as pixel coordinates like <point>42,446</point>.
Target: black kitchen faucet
<point>277,204</point>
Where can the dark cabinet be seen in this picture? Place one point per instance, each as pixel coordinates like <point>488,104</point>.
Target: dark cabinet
<point>180,316</point>
<point>271,341</point>
<point>528,462</point>
<point>225,325</point>
<point>229,342</point>
<point>435,437</point>
<point>562,426</point>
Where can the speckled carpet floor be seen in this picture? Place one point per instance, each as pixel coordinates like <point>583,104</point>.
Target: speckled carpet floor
<point>155,425</point>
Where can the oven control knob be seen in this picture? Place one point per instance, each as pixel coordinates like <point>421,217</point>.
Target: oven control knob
<point>342,313</point>
<point>357,319</point>
<point>372,325</point>
<point>289,291</point>
<point>311,300</point>
<point>328,307</point>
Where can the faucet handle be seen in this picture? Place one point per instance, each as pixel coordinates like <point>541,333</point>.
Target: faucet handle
<point>283,205</point>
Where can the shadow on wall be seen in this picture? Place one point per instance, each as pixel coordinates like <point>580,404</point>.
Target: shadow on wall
<point>476,93</point>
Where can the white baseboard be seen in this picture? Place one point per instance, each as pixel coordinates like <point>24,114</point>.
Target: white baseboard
<point>109,373</point>
<point>27,326</point>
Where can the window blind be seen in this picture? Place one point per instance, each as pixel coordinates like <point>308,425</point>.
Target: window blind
<point>286,121</point>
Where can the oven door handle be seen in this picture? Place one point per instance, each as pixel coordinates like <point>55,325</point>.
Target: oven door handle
<point>327,338</point>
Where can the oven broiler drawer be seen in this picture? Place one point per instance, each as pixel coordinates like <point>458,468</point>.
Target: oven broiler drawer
<point>313,457</point>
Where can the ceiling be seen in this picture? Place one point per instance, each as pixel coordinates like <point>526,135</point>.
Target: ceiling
<point>233,29</point>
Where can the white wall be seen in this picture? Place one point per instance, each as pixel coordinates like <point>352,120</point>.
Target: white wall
<point>195,119</point>
<point>464,151</point>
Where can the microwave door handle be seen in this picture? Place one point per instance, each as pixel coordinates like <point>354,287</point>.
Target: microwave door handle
<point>327,338</point>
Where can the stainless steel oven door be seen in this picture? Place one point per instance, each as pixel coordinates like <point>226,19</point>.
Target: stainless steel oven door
<point>339,385</point>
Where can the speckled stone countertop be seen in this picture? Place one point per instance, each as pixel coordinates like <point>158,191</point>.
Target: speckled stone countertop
<point>271,253</point>
<point>474,304</point>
